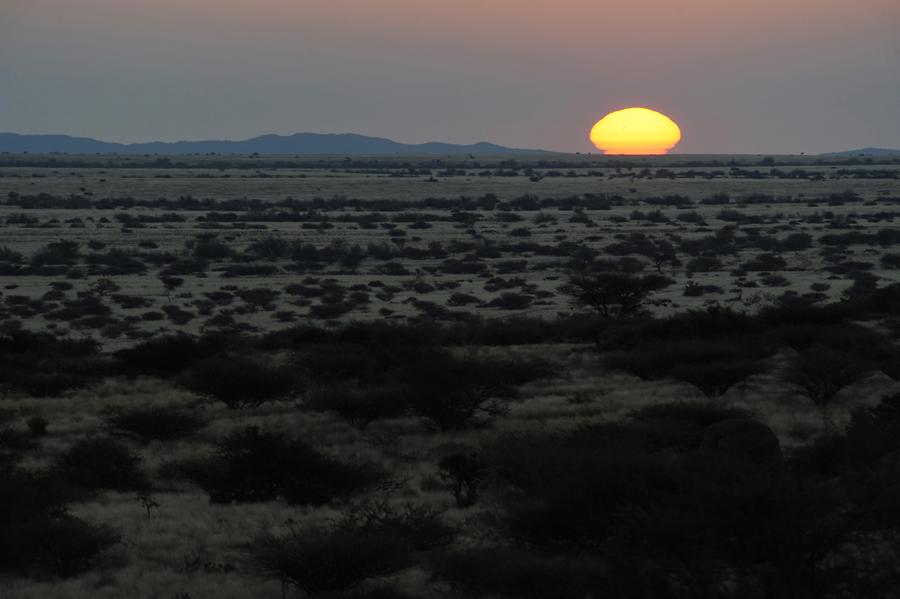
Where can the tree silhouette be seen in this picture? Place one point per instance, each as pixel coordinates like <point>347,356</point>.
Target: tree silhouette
<point>613,294</point>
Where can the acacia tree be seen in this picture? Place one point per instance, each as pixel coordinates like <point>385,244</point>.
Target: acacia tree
<point>613,294</point>
<point>821,373</point>
<point>325,560</point>
<point>462,473</point>
<point>457,392</point>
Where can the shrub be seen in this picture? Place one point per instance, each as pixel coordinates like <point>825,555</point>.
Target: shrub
<point>360,405</point>
<point>874,432</point>
<point>680,425</point>
<point>211,249</point>
<point>714,378</point>
<point>509,300</point>
<point>712,365</point>
<point>46,366</point>
<point>252,466</point>
<point>330,311</point>
<point>462,299</point>
<point>15,441</point>
<point>764,262</point>
<point>185,266</point>
<point>662,519</point>
<point>37,425</point>
<point>508,572</point>
<point>156,423</point>
<point>694,289</point>
<point>891,261</point>
<point>455,393</point>
<point>171,283</point>
<point>269,248</point>
<point>57,252</point>
<point>422,526</point>
<point>613,294</point>
<point>704,264</point>
<point>821,373</point>
<point>239,381</point>
<point>165,356</point>
<point>53,543</point>
<point>48,384</point>
<point>328,560</point>
<point>115,262</point>
<point>568,488</point>
<point>259,296</point>
<point>101,463</point>
<point>462,473</point>
<point>178,316</point>
<point>9,255</point>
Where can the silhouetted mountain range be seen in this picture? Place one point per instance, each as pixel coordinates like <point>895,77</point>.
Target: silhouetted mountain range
<point>864,152</point>
<point>300,143</point>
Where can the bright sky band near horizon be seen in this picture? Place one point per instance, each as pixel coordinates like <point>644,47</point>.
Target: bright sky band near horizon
<point>767,76</point>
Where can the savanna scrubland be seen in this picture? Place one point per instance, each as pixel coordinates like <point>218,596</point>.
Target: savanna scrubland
<point>565,377</point>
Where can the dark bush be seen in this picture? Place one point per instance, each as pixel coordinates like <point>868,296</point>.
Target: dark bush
<point>37,425</point>
<point>360,405</point>
<point>514,573</point>
<point>330,311</point>
<point>745,439</point>
<point>156,423</point>
<point>115,262</point>
<point>422,526</point>
<point>178,316</point>
<point>185,266</point>
<point>462,299</point>
<point>168,355</point>
<point>663,516</point>
<point>269,248</point>
<point>891,261</point>
<point>211,249</point>
<point>820,373</point>
<point>57,252</point>
<point>240,381</point>
<point>613,294</point>
<point>463,474</point>
<point>249,270</point>
<point>251,466</point>
<point>711,365</point>
<point>509,300</point>
<point>94,464</point>
<point>874,432</point>
<point>15,441</point>
<point>47,384</point>
<point>328,560</point>
<point>455,393</point>
<point>37,536</point>
<point>54,543</point>
<point>704,264</point>
<point>45,366</point>
<point>764,262</point>
<point>713,378</point>
<point>258,296</point>
<point>680,425</point>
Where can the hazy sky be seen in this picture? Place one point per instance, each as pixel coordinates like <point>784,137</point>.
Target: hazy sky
<point>754,76</point>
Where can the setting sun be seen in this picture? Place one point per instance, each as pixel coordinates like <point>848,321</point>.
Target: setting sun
<point>635,131</point>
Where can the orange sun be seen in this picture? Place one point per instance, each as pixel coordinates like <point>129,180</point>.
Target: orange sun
<point>635,131</point>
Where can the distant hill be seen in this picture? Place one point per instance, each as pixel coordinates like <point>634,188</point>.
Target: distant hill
<point>300,143</point>
<point>864,152</point>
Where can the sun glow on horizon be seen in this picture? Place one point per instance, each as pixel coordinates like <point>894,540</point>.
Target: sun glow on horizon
<point>635,131</point>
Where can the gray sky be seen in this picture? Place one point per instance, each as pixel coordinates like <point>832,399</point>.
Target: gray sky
<point>760,76</point>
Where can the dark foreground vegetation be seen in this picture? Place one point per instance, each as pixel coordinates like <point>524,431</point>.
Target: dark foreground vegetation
<point>681,499</point>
